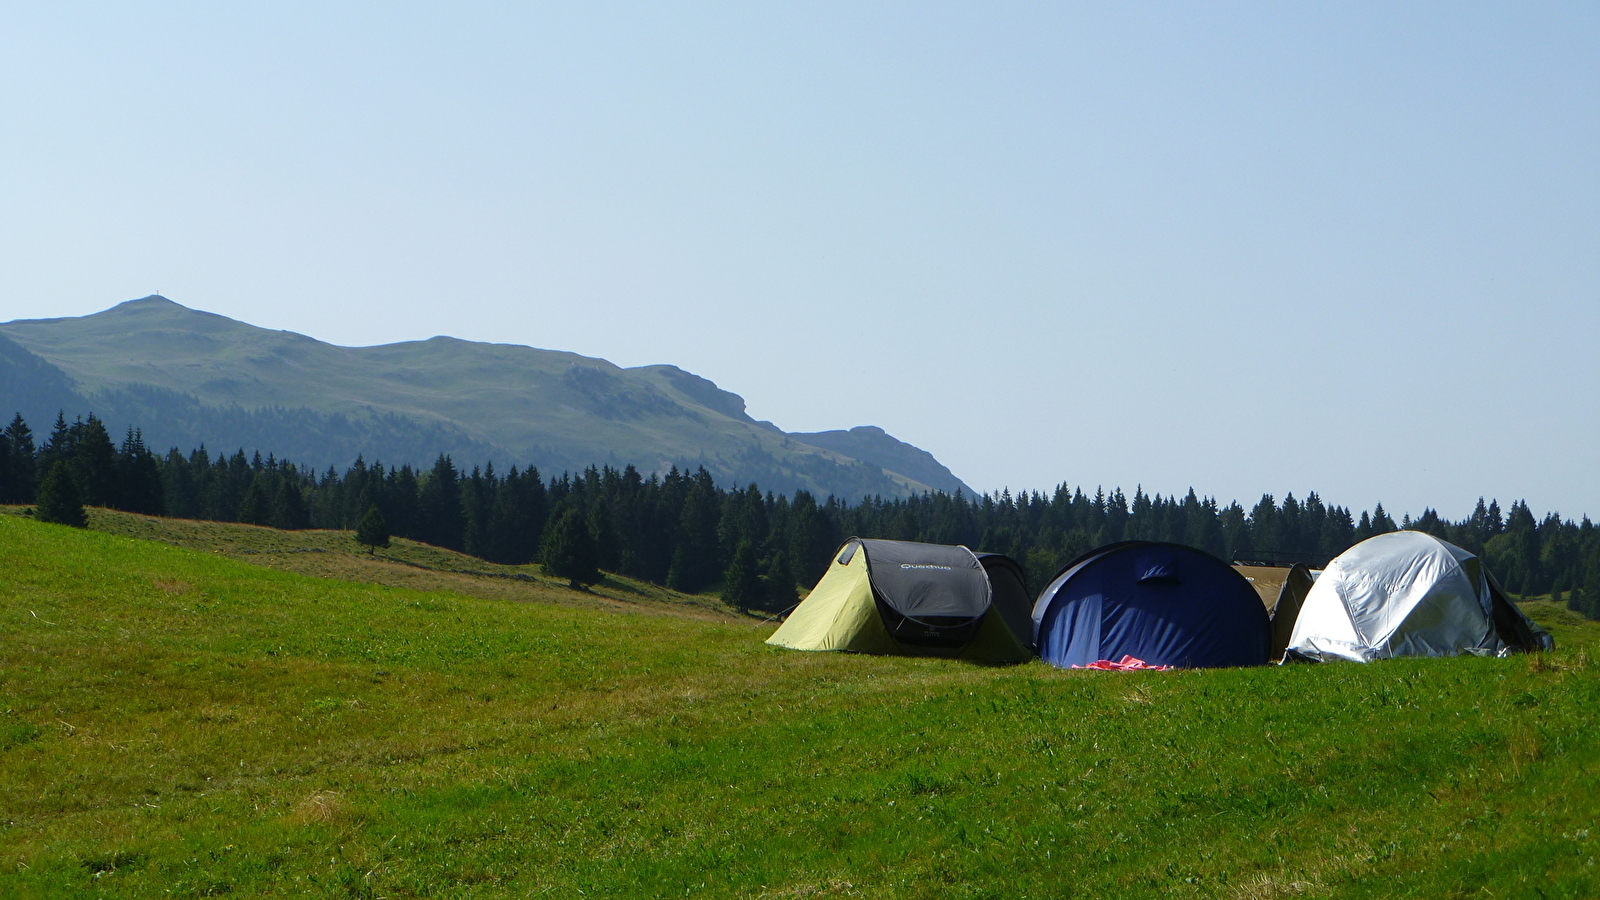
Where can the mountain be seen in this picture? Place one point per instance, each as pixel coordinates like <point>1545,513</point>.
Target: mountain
<point>869,442</point>
<point>185,376</point>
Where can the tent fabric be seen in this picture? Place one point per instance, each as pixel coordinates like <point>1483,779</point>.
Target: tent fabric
<point>1166,604</point>
<point>1125,664</point>
<point>1010,596</point>
<point>839,613</point>
<point>1267,580</point>
<point>927,580</point>
<point>1408,593</point>
<point>1283,590</point>
<point>906,598</point>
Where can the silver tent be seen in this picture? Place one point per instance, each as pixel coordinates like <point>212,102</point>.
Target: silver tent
<point>1408,593</point>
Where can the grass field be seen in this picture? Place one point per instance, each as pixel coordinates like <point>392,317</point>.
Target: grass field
<point>177,722</point>
<point>405,563</point>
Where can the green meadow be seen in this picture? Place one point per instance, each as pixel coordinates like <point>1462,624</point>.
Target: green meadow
<point>191,711</point>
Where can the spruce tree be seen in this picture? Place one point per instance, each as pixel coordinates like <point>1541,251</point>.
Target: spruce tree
<point>477,503</point>
<point>57,447</point>
<point>676,577</point>
<point>20,485</point>
<point>608,546</point>
<point>372,531</point>
<point>695,565</point>
<point>741,583</point>
<point>7,480</point>
<point>254,509</point>
<point>439,499</point>
<point>812,540</point>
<point>1381,523</point>
<point>138,474</point>
<point>569,551</point>
<point>1264,531</point>
<point>94,462</point>
<point>288,508</point>
<point>779,589</point>
<point>59,499</point>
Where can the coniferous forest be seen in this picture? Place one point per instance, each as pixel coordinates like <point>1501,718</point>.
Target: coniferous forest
<point>684,531</point>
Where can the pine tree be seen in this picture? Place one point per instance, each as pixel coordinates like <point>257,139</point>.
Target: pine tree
<point>741,583</point>
<point>7,480</point>
<point>569,551</point>
<point>288,508</point>
<point>1363,529</point>
<point>94,462</point>
<point>1518,553</point>
<point>139,477</point>
<point>20,485</point>
<point>57,447</point>
<point>1289,522</point>
<point>608,546</point>
<point>779,586</point>
<point>254,509</point>
<point>1235,530</point>
<point>694,563</point>
<point>372,531</point>
<point>59,500</point>
<point>403,504</point>
<point>477,505</point>
<point>443,522</point>
<point>812,539</point>
<point>1264,530</point>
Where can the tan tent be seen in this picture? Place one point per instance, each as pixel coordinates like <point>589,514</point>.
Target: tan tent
<point>1283,589</point>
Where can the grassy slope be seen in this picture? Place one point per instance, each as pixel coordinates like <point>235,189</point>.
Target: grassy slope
<point>405,563</point>
<point>177,723</point>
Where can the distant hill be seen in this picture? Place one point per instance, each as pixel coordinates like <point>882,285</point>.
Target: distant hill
<point>187,377</point>
<point>870,442</point>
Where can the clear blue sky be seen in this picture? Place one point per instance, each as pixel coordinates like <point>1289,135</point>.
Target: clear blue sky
<point>1346,247</point>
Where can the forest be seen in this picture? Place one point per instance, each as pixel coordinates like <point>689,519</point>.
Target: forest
<point>756,548</point>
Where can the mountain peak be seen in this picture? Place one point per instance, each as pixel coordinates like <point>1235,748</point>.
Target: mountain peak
<point>150,304</point>
<point>186,376</point>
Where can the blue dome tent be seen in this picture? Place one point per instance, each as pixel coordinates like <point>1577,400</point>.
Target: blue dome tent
<point>1166,604</point>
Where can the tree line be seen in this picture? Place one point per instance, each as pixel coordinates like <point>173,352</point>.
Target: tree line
<point>686,532</point>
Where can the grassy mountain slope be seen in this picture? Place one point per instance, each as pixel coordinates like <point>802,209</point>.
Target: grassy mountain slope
<point>184,370</point>
<point>404,563</point>
<point>177,723</point>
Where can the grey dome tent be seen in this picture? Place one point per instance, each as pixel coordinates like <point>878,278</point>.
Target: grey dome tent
<point>914,599</point>
<point>1408,593</point>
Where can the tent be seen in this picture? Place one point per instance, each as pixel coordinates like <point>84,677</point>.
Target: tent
<point>1166,604</point>
<point>913,599</point>
<point>1408,593</point>
<point>1011,597</point>
<point>1283,589</point>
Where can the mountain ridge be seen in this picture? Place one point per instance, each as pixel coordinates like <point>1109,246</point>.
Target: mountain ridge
<point>188,376</point>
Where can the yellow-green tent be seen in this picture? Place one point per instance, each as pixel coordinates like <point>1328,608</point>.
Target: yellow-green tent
<point>913,599</point>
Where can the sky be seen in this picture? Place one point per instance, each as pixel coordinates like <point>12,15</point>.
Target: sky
<point>1249,248</point>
